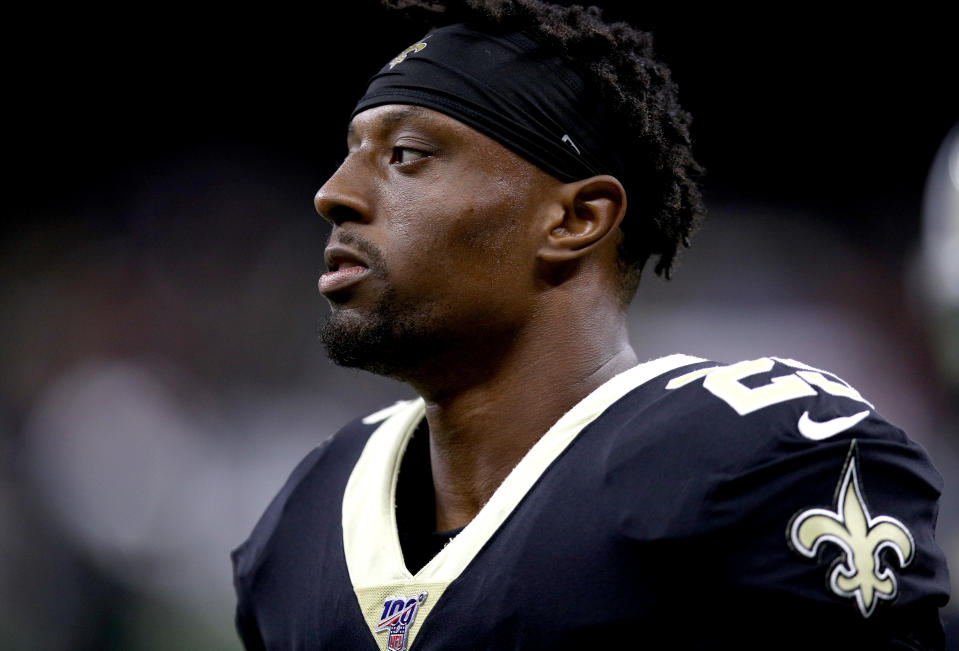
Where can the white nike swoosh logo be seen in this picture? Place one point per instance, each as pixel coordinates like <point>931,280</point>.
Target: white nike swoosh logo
<point>818,431</point>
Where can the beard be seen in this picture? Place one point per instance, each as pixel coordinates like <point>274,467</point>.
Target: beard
<point>391,339</point>
<point>386,339</point>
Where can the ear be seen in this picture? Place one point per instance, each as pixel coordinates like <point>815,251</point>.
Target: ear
<point>588,211</point>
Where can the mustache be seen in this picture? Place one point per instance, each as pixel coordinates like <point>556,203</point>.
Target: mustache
<point>375,258</point>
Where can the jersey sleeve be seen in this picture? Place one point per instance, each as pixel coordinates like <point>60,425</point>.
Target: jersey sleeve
<point>247,557</point>
<point>817,517</point>
<point>843,534</point>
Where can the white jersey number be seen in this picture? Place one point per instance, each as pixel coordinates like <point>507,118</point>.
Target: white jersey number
<point>725,382</point>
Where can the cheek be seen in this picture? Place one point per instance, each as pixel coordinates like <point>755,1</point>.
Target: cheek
<point>473,240</point>
<point>464,237</point>
<point>477,217</point>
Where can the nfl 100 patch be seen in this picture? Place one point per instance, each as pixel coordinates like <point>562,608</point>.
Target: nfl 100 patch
<point>398,616</point>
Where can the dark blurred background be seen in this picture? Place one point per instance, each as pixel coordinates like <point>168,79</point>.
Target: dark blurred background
<point>159,366</point>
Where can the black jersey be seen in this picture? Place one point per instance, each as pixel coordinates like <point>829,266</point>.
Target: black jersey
<point>683,504</point>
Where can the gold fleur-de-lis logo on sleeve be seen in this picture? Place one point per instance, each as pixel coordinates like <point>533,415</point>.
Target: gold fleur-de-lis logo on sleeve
<point>859,572</point>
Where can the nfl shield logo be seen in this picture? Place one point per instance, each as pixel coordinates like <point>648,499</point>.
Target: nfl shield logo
<point>397,642</point>
<point>397,618</point>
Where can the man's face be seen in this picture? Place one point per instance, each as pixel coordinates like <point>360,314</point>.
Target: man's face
<point>434,240</point>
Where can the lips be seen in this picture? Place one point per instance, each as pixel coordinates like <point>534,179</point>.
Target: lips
<point>345,268</point>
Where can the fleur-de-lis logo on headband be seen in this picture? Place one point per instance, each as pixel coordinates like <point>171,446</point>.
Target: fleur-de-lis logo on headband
<point>399,58</point>
<point>859,572</point>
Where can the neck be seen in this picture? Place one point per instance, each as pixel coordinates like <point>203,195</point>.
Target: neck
<point>480,429</point>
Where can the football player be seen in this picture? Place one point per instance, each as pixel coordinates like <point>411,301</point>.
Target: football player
<point>509,176</point>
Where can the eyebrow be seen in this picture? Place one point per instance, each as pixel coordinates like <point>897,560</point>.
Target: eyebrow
<point>391,118</point>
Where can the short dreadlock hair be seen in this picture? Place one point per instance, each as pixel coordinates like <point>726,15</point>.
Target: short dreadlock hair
<point>618,62</point>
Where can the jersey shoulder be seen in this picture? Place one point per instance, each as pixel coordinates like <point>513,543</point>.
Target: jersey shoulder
<point>764,406</point>
<point>293,560</point>
<point>775,420</point>
<point>324,470</point>
<point>789,487</point>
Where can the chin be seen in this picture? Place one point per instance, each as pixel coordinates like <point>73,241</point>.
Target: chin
<point>388,340</point>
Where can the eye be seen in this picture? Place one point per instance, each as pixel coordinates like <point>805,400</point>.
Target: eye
<point>403,155</point>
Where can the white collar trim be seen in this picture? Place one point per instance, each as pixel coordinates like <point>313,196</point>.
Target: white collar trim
<point>370,537</point>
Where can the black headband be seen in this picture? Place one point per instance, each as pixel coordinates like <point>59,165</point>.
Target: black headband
<point>509,88</point>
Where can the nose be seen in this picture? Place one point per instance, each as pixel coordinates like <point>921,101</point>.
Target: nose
<point>342,198</point>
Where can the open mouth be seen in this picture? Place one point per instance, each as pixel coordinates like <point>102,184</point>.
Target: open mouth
<point>342,273</point>
<point>340,266</point>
